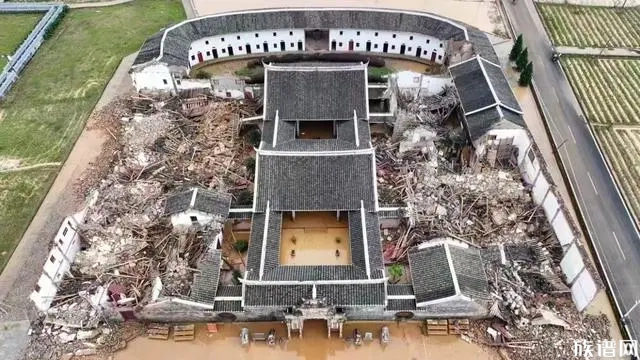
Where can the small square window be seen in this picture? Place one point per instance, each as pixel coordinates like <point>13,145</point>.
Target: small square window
<point>164,81</point>
<point>258,46</point>
<point>178,81</point>
<point>531,156</point>
<point>440,44</point>
<point>411,37</point>
<point>428,41</point>
<point>375,46</point>
<point>393,47</point>
<point>357,44</point>
<point>376,34</point>
<point>409,49</point>
<point>290,33</point>
<point>394,36</point>
<point>275,45</point>
<point>240,48</point>
<point>424,52</point>
<point>339,44</point>
<point>222,39</point>
<point>291,44</point>
<point>238,37</point>
<point>37,288</point>
<point>52,259</point>
<point>64,232</point>
<point>206,42</point>
<point>224,51</point>
<point>193,218</point>
<point>193,57</point>
<point>340,32</point>
<point>257,35</point>
<point>208,53</point>
<point>358,33</point>
<point>60,241</point>
<point>274,34</point>
<point>439,57</point>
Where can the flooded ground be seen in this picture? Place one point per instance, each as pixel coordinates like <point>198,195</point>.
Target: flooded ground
<point>407,343</point>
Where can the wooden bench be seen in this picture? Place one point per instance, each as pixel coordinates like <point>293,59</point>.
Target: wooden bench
<point>158,331</point>
<point>437,327</point>
<point>184,332</point>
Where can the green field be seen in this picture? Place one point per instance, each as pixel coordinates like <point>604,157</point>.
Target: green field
<point>591,26</point>
<point>14,28</point>
<point>46,110</point>
<point>607,90</point>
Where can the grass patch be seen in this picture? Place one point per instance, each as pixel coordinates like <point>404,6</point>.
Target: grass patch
<point>20,196</point>
<point>47,108</point>
<point>14,28</point>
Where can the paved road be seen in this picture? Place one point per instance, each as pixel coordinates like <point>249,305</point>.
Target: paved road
<point>613,233</point>
<point>597,51</point>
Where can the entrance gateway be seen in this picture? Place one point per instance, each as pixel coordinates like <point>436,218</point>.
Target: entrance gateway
<point>314,309</point>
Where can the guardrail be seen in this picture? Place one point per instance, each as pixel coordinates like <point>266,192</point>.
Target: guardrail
<point>30,45</point>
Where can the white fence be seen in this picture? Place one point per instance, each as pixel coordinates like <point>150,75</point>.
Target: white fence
<point>66,246</point>
<point>30,45</point>
<point>583,287</point>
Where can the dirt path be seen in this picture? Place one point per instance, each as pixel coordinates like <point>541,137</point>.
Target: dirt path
<point>25,266</point>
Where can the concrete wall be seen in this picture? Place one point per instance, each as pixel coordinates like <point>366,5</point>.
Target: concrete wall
<point>59,260</point>
<point>156,77</point>
<point>243,43</point>
<point>183,219</point>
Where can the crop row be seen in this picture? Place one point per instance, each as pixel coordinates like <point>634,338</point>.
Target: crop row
<point>622,149</point>
<point>607,88</point>
<point>590,26</point>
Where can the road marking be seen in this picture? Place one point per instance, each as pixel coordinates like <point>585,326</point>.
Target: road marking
<point>619,247</point>
<point>592,184</point>
<point>573,137</point>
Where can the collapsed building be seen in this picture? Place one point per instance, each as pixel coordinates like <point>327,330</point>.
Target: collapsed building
<point>321,230</point>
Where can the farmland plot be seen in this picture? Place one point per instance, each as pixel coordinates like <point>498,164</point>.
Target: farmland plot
<point>607,90</point>
<point>590,26</point>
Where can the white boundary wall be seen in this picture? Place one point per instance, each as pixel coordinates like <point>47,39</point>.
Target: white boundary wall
<point>583,287</point>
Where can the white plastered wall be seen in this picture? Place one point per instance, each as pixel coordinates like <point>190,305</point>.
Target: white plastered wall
<point>154,77</point>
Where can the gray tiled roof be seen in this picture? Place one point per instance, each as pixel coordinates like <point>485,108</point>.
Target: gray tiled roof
<point>431,274</point>
<point>376,262</point>
<point>401,304</point>
<point>352,294</point>
<point>229,290</point>
<point>473,88</point>
<point>206,201</point>
<point>254,253</point>
<point>272,250</point>
<point>315,182</point>
<point>150,49</point>
<point>178,39</point>
<point>315,272</point>
<point>469,269</point>
<point>205,282</point>
<point>276,295</point>
<point>227,306</point>
<point>400,289</point>
<point>492,118</point>
<point>315,95</point>
<point>500,84</point>
<point>481,44</point>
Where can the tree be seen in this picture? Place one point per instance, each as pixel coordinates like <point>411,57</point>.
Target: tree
<point>522,60</point>
<point>396,271</point>
<point>526,75</point>
<point>516,49</point>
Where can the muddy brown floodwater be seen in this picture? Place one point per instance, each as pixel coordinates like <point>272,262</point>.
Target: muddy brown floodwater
<point>407,343</point>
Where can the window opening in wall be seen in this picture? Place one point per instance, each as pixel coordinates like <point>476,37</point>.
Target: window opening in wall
<point>428,41</point>
<point>385,47</point>
<point>275,46</point>
<point>358,33</point>
<point>411,37</point>
<point>333,45</point>
<point>274,33</point>
<point>265,46</point>
<point>230,50</point>
<point>248,46</point>
<point>375,46</point>
<point>531,156</point>
<point>402,49</point>
<point>440,44</point>
<point>283,46</point>
<point>439,57</point>
<point>409,49</point>
<point>394,36</point>
<point>215,53</point>
<point>208,53</point>
<point>257,35</point>
<point>52,259</point>
<point>224,51</point>
<point>257,46</point>
<point>222,39</point>
<point>239,48</point>
<point>37,288</point>
<point>290,33</point>
<point>425,52</point>
<point>300,45</point>
<point>228,93</point>
<point>340,32</point>
<point>178,82</point>
<point>357,45</point>
<point>64,231</point>
<point>376,34</point>
<point>340,44</point>
<point>206,42</point>
<point>60,242</point>
<point>164,81</point>
<point>292,45</point>
<point>238,37</point>
<point>433,56</point>
<point>193,219</point>
<point>368,47</point>
<point>418,51</point>
<point>393,47</point>
<point>350,45</point>
<point>316,130</point>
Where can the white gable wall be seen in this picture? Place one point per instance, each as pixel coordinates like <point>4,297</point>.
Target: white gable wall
<point>156,77</point>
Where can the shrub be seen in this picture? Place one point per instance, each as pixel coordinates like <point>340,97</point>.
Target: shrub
<point>396,271</point>
<point>245,197</point>
<point>241,245</point>
<point>201,74</point>
<point>250,164</point>
<point>526,75</point>
<point>253,137</point>
<point>516,49</point>
<point>522,60</point>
